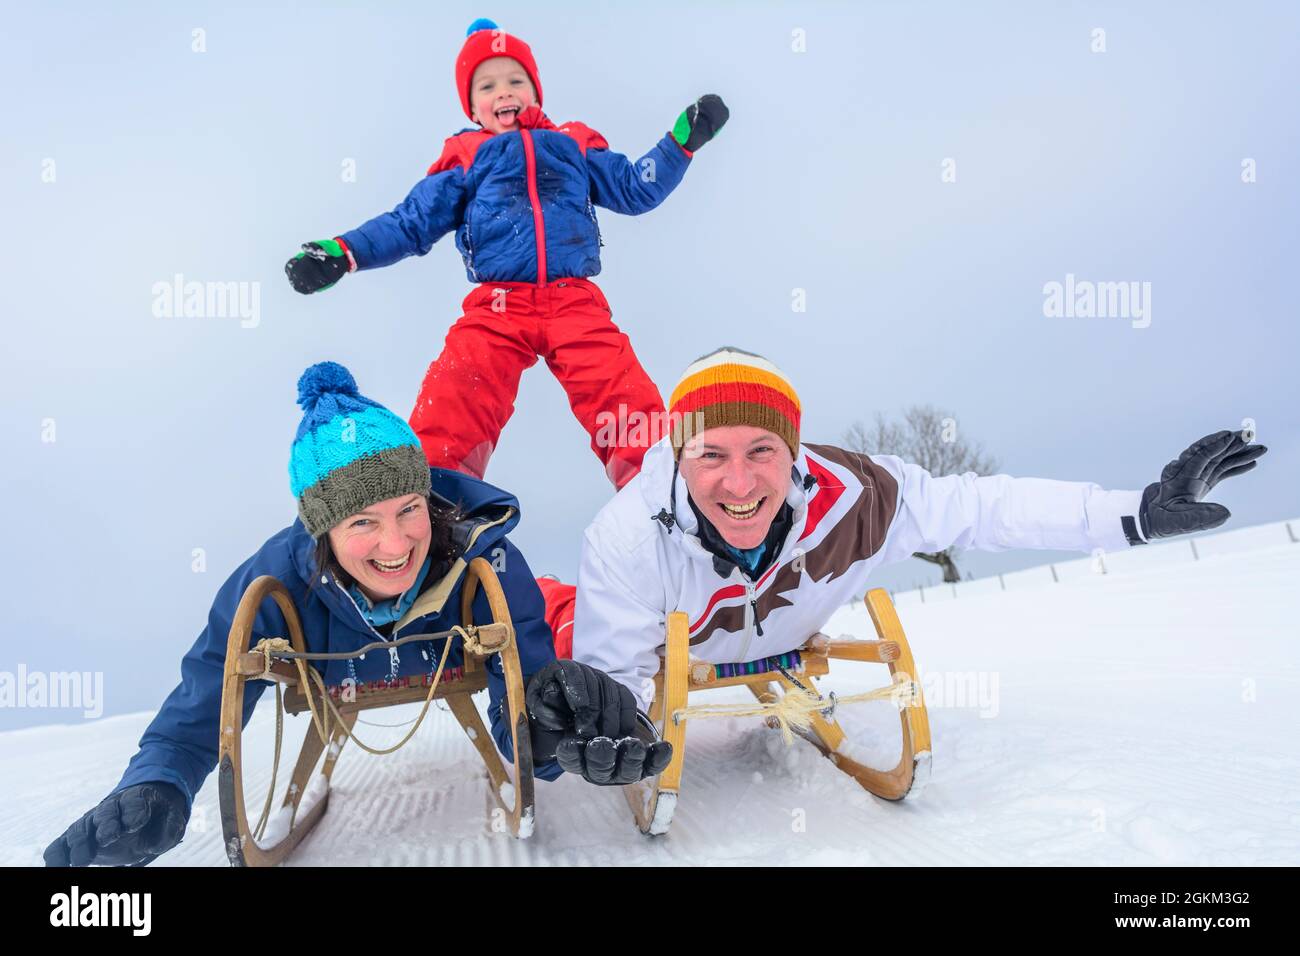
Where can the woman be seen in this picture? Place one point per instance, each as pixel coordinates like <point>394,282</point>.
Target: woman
<point>379,550</point>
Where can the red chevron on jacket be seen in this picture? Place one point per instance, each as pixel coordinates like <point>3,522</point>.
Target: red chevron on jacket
<point>459,150</point>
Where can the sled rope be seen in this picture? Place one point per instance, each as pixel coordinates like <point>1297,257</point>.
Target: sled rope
<point>270,647</point>
<point>332,709</point>
<point>474,642</point>
<point>280,647</point>
<point>794,711</point>
<point>275,765</point>
<point>267,647</point>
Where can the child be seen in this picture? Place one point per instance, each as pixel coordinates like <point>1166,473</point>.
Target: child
<point>519,192</point>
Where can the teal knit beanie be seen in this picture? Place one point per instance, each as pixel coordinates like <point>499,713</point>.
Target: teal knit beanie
<point>349,452</point>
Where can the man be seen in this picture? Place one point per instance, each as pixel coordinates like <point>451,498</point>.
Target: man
<point>759,539</point>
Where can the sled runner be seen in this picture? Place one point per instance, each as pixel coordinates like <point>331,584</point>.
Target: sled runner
<point>788,698</point>
<point>333,714</point>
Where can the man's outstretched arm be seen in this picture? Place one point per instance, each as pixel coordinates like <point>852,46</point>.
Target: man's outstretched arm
<point>998,512</point>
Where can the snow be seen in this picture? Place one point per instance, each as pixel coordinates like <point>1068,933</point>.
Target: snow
<point>663,818</point>
<point>1134,718</point>
<point>526,822</point>
<point>278,824</point>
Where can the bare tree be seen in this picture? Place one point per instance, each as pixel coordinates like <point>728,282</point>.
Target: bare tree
<point>928,437</point>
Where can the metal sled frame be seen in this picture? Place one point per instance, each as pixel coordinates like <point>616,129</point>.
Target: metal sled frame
<point>653,802</point>
<point>243,665</point>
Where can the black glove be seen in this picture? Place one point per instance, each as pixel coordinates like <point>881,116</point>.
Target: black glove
<point>589,722</point>
<point>700,122</point>
<point>609,762</point>
<point>317,267</point>
<point>1172,505</point>
<point>129,828</point>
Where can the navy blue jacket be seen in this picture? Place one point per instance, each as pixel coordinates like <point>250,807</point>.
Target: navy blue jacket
<point>501,192</point>
<point>180,745</point>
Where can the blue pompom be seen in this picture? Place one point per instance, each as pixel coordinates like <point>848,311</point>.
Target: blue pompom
<point>482,23</point>
<point>323,378</point>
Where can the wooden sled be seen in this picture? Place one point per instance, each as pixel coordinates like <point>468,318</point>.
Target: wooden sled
<point>513,798</point>
<point>653,801</point>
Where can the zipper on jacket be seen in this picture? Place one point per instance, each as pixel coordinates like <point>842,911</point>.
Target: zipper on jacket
<point>751,622</point>
<point>750,589</point>
<point>353,602</point>
<point>539,226</point>
<point>469,248</point>
<point>591,212</point>
<point>393,659</point>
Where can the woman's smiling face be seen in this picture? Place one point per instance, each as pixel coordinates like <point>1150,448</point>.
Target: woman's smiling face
<point>383,547</point>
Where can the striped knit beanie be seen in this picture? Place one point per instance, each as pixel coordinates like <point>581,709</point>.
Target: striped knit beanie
<point>349,452</point>
<point>732,387</point>
<point>484,40</point>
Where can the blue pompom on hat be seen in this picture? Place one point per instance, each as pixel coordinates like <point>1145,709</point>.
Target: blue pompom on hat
<point>482,23</point>
<point>324,378</point>
<point>349,452</point>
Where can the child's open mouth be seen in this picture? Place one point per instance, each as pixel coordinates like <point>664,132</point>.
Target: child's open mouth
<point>506,115</point>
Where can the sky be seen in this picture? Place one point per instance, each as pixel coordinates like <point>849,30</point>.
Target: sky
<point>915,173</point>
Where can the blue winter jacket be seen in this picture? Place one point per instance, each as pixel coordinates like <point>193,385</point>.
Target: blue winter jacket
<point>500,192</point>
<point>180,745</point>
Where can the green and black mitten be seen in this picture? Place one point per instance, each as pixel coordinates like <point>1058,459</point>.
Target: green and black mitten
<point>700,122</point>
<point>318,266</point>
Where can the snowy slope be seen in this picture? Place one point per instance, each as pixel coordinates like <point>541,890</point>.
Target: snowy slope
<point>1139,718</point>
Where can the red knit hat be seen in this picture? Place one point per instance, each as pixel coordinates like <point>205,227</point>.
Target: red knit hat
<point>484,40</point>
<point>732,387</point>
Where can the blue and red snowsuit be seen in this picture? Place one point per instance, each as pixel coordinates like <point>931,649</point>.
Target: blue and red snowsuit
<point>522,205</point>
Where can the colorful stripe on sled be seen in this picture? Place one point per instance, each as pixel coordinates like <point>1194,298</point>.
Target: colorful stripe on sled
<point>791,661</point>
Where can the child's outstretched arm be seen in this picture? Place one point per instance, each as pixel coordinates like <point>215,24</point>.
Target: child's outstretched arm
<point>432,209</point>
<point>634,188</point>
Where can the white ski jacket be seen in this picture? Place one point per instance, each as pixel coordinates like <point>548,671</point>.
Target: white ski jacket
<point>852,513</point>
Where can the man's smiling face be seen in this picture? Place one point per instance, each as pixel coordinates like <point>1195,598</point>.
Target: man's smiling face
<point>738,476</point>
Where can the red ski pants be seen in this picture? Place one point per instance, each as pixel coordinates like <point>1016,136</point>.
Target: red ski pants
<point>559,598</point>
<point>469,392</point>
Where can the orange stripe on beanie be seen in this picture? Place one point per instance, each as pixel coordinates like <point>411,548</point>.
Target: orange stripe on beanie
<point>733,387</point>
